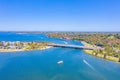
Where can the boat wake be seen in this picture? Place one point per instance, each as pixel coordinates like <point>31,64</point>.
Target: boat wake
<point>93,69</point>
<point>88,65</point>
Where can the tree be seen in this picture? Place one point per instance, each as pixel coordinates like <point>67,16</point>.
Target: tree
<point>8,44</point>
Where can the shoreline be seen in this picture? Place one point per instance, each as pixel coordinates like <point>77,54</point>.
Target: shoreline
<point>19,50</point>
<point>90,52</point>
<point>110,58</point>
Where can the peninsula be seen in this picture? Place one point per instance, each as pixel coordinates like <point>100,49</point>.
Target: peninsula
<point>7,46</point>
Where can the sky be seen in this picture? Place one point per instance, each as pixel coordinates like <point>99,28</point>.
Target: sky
<point>59,15</point>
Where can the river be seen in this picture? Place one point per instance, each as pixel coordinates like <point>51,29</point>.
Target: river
<point>42,64</point>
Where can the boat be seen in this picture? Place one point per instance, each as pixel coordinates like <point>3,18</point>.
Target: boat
<point>65,42</point>
<point>60,62</point>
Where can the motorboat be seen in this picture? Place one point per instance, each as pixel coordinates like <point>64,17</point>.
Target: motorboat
<point>60,62</point>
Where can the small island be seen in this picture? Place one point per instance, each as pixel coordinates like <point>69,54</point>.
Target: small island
<point>8,46</point>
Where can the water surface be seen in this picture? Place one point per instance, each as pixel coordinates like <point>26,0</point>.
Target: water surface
<point>42,64</point>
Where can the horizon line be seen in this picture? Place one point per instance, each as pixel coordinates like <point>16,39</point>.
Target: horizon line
<point>60,31</point>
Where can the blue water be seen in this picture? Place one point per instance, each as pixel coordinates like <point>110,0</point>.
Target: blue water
<point>42,64</point>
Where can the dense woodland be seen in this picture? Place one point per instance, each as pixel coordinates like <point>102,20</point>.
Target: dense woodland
<point>109,41</point>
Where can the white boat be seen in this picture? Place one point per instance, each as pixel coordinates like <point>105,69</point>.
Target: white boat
<point>60,62</point>
<point>65,42</point>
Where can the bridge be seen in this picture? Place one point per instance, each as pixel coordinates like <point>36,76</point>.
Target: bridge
<point>71,46</point>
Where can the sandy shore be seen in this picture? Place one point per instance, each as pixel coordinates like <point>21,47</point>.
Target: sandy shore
<point>18,50</point>
<point>10,50</point>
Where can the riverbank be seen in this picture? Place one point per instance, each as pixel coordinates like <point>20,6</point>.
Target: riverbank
<point>22,46</point>
<point>18,50</point>
<point>100,55</point>
<point>11,50</point>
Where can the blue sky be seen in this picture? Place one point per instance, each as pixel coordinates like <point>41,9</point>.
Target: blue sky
<point>59,15</point>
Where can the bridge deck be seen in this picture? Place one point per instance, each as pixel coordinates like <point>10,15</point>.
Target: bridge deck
<point>71,46</point>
